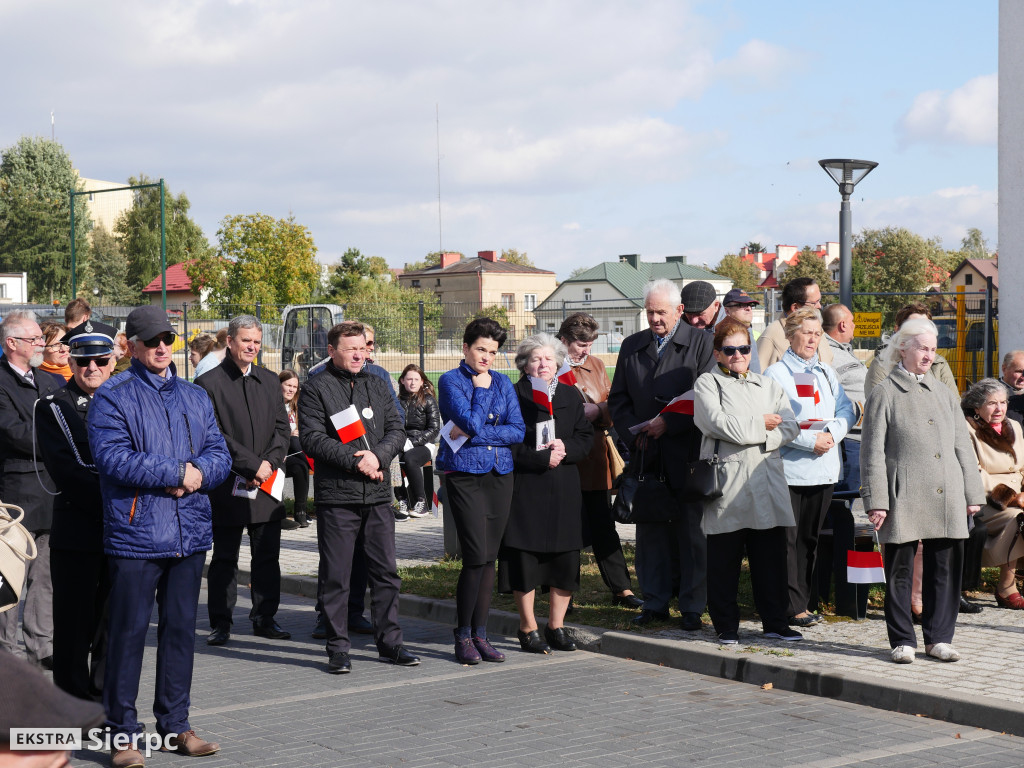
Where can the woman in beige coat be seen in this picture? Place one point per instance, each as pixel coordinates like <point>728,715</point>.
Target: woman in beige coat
<point>918,477</point>
<point>749,417</point>
<point>999,445</point>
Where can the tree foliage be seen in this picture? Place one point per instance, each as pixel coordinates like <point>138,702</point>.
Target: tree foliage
<point>259,260</point>
<point>513,256</point>
<point>495,312</point>
<point>974,245</point>
<point>755,247</point>
<point>139,231</point>
<point>393,311</point>
<point>352,270</point>
<point>809,264</point>
<point>105,270</point>
<point>743,274</point>
<point>36,177</point>
<point>432,259</point>
<point>896,260</point>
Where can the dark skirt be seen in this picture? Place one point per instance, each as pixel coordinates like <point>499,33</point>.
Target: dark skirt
<point>522,571</point>
<point>479,505</point>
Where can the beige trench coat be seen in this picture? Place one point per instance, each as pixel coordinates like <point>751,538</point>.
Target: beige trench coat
<point>1003,545</point>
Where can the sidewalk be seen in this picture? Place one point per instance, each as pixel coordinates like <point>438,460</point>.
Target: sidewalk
<point>846,660</point>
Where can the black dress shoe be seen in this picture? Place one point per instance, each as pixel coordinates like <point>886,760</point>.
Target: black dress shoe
<point>531,642</point>
<point>339,664</point>
<point>320,628</point>
<point>302,520</point>
<point>804,621</point>
<point>399,657</point>
<point>691,621</point>
<point>649,617</point>
<point>219,636</point>
<point>359,625</point>
<point>627,601</point>
<point>288,524</point>
<point>559,639</point>
<point>966,606</point>
<point>270,629</point>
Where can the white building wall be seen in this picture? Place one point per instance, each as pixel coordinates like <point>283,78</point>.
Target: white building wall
<point>1011,173</point>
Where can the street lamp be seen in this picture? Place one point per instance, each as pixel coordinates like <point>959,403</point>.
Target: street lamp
<point>846,173</point>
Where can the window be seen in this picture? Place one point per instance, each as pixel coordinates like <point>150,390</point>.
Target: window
<point>587,294</point>
<point>438,283</point>
<point>968,279</point>
<point>617,326</point>
<point>550,327</point>
<point>415,283</point>
<point>508,301</point>
<point>3,290</point>
<point>529,301</point>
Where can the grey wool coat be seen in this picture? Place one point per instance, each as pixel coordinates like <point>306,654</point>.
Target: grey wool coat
<point>754,490</point>
<point>917,461</point>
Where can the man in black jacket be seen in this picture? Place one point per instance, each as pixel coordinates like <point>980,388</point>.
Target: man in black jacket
<point>654,366</point>
<point>352,493</point>
<point>251,415</point>
<point>20,387</point>
<point>78,567</point>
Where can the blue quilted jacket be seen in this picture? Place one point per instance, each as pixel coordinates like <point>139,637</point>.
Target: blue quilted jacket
<point>142,430</point>
<point>491,418</point>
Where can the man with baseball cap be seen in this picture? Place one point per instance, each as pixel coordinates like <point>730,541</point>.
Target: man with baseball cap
<point>738,305</point>
<point>78,567</point>
<point>700,305</point>
<point>159,452</point>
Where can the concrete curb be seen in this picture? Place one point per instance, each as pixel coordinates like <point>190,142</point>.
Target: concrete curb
<point>728,664</point>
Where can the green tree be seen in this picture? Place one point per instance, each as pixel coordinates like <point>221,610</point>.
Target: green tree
<point>352,270</point>
<point>743,274</point>
<point>495,312</point>
<point>139,231</point>
<point>432,259</point>
<point>262,260</point>
<point>895,260</point>
<point>393,311</point>
<point>755,247</point>
<point>974,245</point>
<point>578,271</point>
<point>36,176</point>
<point>513,256</point>
<point>105,270</point>
<point>809,264</point>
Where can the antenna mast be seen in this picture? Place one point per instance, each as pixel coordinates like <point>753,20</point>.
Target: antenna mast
<point>440,235</point>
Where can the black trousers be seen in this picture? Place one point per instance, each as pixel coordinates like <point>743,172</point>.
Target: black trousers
<point>766,555</point>
<point>265,551</point>
<point>599,531</point>
<point>412,463</point>
<point>940,590</point>
<point>357,581</point>
<point>81,588</point>
<point>810,502</point>
<point>974,547</point>
<point>297,468</point>
<point>339,528</point>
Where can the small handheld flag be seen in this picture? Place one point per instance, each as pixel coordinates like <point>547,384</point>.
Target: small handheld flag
<point>864,567</point>
<point>435,505</point>
<point>274,485</point>
<point>566,375</point>
<point>540,394</point>
<point>807,386</point>
<point>681,404</point>
<point>349,425</point>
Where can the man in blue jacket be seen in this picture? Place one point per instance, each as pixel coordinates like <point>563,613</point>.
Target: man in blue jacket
<point>158,452</point>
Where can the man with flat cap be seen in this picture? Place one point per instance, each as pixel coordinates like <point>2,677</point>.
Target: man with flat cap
<point>159,453</point>
<point>78,567</point>
<point>700,305</point>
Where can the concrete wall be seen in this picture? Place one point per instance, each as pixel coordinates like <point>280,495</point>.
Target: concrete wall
<point>1011,172</point>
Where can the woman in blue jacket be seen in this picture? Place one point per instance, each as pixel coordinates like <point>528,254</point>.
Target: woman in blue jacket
<point>483,407</point>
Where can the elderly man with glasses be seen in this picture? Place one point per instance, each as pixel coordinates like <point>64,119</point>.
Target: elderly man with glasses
<point>21,385</point>
<point>772,345</point>
<point>159,452</point>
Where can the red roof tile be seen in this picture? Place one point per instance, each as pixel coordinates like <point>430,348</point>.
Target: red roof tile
<point>177,279</point>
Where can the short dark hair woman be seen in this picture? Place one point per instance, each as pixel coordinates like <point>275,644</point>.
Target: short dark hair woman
<point>422,428</point>
<point>482,405</point>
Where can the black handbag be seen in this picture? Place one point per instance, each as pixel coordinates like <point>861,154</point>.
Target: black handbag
<point>642,497</point>
<point>702,479</point>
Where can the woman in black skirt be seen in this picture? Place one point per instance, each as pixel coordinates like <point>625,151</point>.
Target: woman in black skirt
<point>544,536</point>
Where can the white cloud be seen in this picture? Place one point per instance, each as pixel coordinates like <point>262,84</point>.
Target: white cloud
<point>966,115</point>
<point>757,64</point>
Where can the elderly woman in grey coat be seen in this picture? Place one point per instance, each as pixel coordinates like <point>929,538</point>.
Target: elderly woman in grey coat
<point>745,417</point>
<point>919,474</point>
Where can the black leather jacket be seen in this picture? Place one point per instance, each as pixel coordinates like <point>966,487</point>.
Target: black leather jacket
<point>422,422</point>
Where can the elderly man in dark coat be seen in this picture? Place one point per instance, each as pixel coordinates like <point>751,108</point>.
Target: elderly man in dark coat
<point>251,415</point>
<point>654,366</point>
<point>22,343</point>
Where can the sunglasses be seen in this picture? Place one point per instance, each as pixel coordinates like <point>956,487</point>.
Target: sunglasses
<point>166,338</point>
<point>730,351</point>
<point>83,362</point>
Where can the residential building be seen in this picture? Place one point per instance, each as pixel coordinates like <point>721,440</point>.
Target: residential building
<point>13,287</point>
<point>972,274</point>
<point>179,287</point>
<point>105,208</point>
<point>773,266</point>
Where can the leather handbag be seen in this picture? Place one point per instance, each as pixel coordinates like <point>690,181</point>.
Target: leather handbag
<point>17,547</point>
<point>642,497</point>
<point>702,479</point>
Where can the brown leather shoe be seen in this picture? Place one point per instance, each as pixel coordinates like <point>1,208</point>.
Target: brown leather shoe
<point>127,758</point>
<point>190,745</point>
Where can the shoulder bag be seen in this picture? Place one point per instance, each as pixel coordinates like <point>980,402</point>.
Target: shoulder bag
<point>702,479</point>
<point>642,497</point>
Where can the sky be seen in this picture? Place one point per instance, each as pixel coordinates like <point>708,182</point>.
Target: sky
<point>573,130</point>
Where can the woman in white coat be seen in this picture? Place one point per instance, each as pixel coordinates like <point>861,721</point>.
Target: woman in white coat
<point>747,417</point>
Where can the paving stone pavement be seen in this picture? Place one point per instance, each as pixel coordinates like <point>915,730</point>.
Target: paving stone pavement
<point>270,703</point>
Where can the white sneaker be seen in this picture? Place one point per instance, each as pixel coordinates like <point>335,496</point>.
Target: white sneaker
<point>903,654</point>
<point>419,509</point>
<point>942,652</point>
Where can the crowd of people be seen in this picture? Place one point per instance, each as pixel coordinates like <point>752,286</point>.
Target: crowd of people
<point>127,479</point>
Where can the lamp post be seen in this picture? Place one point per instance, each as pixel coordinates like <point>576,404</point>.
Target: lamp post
<point>846,173</point>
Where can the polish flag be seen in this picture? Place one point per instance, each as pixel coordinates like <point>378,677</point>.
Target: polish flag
<point>349,425</point>
<point>864,567</point>
<point>807,386</point>
<point>813,424</point>
<point>274,485</point>
<point>540,394</point>
<point>682,404</point>
<point>435,505</point>
<point>309,460</point>
<point>565,374</point>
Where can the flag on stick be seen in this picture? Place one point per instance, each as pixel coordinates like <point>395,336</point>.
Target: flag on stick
<point>349,425</point>
<point>274,485</point>
<point>435,505</point>
<point>565,374</point>
<point>807,386</point>
<point>864,567</point>
<point>681,404</point>
<point>540,394</point>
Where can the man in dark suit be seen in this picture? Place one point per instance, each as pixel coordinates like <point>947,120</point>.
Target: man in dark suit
<point>250,412</point>
<point>654,366</point>
<point>20,387</point>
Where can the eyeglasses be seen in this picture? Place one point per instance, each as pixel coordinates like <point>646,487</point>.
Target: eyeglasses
<point>730,351</point>
<point>816,304</point>
<point>165,338</point>
<point>31,339</point>
<point>83,362</point>
<point>58,345</point>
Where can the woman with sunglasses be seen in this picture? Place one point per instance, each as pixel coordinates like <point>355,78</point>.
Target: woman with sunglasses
<point>55,353</point>
<point>745,418</point>
<point>812,459</point>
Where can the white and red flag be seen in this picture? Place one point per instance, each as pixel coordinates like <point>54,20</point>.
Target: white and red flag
<point>435,505</point>
<point>565,374</point>
<point>349,425</point>
<point>540,394</point>
<point>864,567</point>
<point>807,386</point>
<point>681,404</point>
<point>274,485</point>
